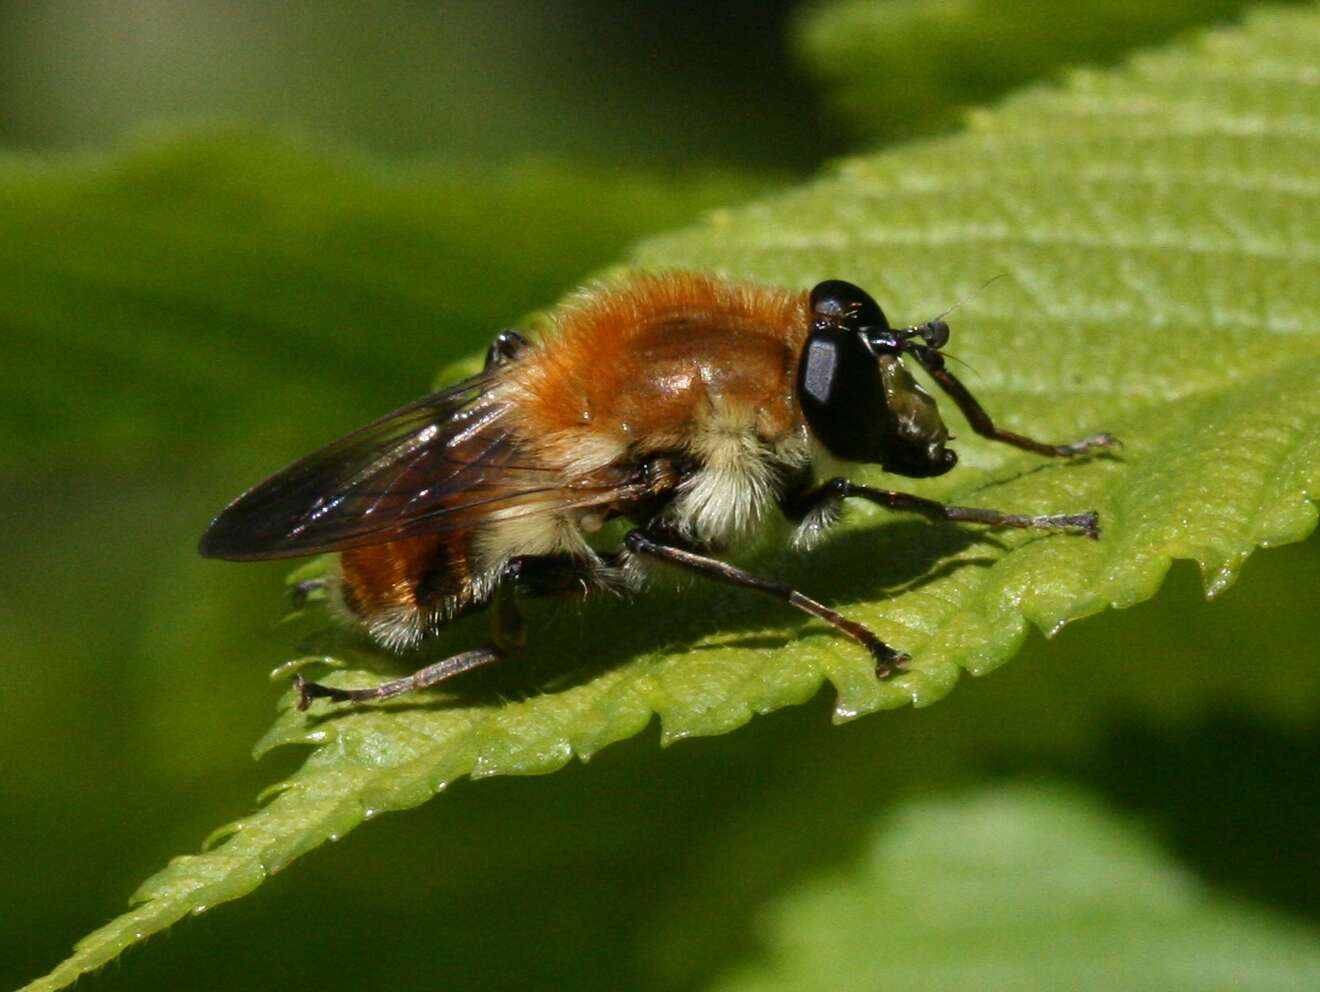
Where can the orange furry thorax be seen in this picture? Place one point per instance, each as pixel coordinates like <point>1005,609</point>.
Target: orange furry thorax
<point>635,364</point>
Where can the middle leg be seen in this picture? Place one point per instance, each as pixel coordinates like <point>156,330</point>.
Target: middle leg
<point>886,658</point>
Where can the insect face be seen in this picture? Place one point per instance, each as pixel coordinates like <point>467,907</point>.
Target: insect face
<point>858,399</point>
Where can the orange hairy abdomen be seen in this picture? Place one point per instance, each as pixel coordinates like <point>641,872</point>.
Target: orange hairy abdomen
<point>408,574</point>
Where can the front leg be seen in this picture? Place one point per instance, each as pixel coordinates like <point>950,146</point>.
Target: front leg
<point>933,362</point>
<point>669,550</point>
<point>819,507</point>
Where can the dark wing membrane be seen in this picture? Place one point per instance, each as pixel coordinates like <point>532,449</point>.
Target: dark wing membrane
<point>444,462</point>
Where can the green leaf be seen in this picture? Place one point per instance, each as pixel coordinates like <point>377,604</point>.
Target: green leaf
<point>898,68</point>
<point>1157,231</point>
<point>1027,886</point>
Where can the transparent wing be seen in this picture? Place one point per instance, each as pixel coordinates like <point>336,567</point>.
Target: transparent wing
<point>447,461</point>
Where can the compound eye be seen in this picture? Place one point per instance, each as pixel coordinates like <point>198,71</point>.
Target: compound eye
<point>844,303</point>
<point>841,393</point>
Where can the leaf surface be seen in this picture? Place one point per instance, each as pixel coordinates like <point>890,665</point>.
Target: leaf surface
<point>898,68</point>
<point>1028,886</point>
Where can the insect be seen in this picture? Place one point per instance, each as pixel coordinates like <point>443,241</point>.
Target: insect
<point>689,406</point>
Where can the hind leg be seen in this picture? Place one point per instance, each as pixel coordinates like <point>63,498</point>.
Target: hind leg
<point>423,678</point>
<point>536,575</point>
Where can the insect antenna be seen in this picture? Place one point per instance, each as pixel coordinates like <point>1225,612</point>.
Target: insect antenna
<point>973,295</point>
<point>935,332</point>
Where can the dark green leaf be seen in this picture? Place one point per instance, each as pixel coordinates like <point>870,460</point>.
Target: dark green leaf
<point>1019,887</point>
<point>899,68</point>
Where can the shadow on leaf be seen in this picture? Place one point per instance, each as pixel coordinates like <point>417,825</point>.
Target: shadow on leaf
<point>573,642</point>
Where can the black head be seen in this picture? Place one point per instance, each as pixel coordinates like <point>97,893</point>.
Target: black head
<point>858,399</point>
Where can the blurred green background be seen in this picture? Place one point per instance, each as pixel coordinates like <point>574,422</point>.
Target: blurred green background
<point>446,169</point>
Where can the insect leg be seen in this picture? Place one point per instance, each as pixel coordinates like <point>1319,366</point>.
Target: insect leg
<point>539,575</point>
<point>304,589</point>
<point>423,678</point>
<point>886,658</point>
<point>933,362</point>
<point>506,346</point>
<point>840,488</point>
<point>535,574</point>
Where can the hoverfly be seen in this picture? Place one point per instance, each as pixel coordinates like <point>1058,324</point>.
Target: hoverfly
<point>689,406</point>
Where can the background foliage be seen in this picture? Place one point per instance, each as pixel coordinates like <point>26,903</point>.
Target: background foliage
<point>152,365</point>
